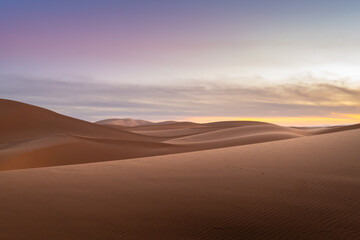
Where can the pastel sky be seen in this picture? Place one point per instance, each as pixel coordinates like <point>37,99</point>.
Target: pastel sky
<point>288,62</point>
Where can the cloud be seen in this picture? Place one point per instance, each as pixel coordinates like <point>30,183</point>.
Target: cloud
<point>93,100</point>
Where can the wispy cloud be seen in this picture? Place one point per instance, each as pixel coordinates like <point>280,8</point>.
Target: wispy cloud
<point>93,100</point>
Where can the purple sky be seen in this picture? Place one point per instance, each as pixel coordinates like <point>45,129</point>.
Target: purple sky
<point>176,46</point>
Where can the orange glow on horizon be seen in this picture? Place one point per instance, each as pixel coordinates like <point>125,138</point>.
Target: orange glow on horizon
<point>333,119</point>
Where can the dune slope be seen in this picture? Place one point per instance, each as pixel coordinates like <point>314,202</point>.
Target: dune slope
<point>126,122</point>
<point>20,121</point>
<point>303,188</point>
<point>336,129</point>
<point>35,137</point>
<point>65,150</point>
<point>242,131</point>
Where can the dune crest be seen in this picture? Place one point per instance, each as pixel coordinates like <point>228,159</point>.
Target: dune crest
<point>33,137</point>
<point>126,122</point>
<point>20,121</point>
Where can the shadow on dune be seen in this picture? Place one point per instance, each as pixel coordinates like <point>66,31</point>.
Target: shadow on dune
<point>32,137</point>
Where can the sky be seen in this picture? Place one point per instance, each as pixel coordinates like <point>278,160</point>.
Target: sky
<point>286,62</point>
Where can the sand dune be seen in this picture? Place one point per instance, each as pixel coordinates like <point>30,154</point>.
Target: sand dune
<point>64,150</point>
<point>336,129</point>
<point>218,130</point>
<point>174,133</point>
<point>227,124</point>
<point>229,142</point>
<point>276,183</point>
<point>235,136</point>
<point>130,122</point>
<point>302,188</point>
<point>19,121</point>
<point>242,131</point>
<point>127,122</point>
<point>35,137</point>
<point>167,126</point>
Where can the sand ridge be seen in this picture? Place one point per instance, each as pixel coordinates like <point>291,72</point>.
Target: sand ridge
<point>31,137</point>
<point>20,121</point>
<point>125,122</point>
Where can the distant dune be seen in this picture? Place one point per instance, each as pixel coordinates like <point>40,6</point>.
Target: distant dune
<point>336,129</point>
<point>251,180</point>
<point>126,122</point>
<point>35,137</point>
<point>130,122</point>
<point>245,130</point>
<point>168,125</point>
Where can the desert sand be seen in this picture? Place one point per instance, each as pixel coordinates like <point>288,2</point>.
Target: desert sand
<point>126,122</point>
<point>64,178</point>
